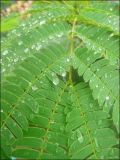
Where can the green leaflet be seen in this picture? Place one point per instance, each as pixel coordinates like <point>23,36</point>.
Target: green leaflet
<point>100,41</point>
<point>100,77</point>
<point>60,83</point>
<point>102,18</point>
<point>89,125</point>
<point>10,23</point>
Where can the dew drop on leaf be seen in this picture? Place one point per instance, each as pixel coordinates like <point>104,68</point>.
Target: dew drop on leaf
<point>52,121</point>
<point>59,35</point>
<point>96,86</point>
<point>80,137</point>
<point>3,70</point>
<point>33,46</point>
<point>111,35</point>
<point>23,101</point>
<point>42,22</point>
<point>5,52</point>
<point>105,75</point>
<point>63,74</point>
<point>55,81</point>
<point>107,97</point>
<point>111,9</point>
<point>38,47</point>
<point>51,37</point>
<point>68,60</point>
<point>15,60</point>
<point>34,88</point>
<point>95,52</point>
<point>19,35</point>
<point>26,50</point>
<point>1,111</point>
<point>13,158</point>
<point>20,43</point>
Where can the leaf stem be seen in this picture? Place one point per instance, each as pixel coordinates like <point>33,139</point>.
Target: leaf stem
<point>72,47</point>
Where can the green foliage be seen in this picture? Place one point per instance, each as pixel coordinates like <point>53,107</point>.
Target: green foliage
<point>10,22</point>
<point>60,83</point>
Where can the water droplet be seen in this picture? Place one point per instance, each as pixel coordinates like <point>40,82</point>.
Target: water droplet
<point>19,35</point>
<point>52,121</point>
<point>80,139</point>
<point>41,82</point>
<point>79,135</point>
<point>23,25</point>
<point>30,83</point>
<point>109,21</point>
<point>56,81</point>
<point>13,158</point>
<point>59,35</point>
<point>106,75</point>
<point>51,37</point>
<point>49,14</point>
<point>1,110</point>
<point>107,97</point>
<point>95,52</point>
<point>20,43</point>
<point>5,52</point>
<point>33,46</point>
<point>111,9</point>
<point>34,88</point>
<point>96,86</point>
<point>38,47</point>
<point>3,70</point>
<point>26,50</point>
<point>15,60</point>
<point>42,22</point>
<point>111,35</point>
<point>68,60</point>
<point>63,74</point>
<point>23,101</point>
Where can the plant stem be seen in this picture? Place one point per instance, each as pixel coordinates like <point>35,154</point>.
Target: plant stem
<point>72,47</point>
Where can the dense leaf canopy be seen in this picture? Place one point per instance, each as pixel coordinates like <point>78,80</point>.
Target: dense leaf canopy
<point>60,96</point>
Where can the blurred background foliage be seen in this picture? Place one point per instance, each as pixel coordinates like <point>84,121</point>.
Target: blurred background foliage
<point>12,13</point>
